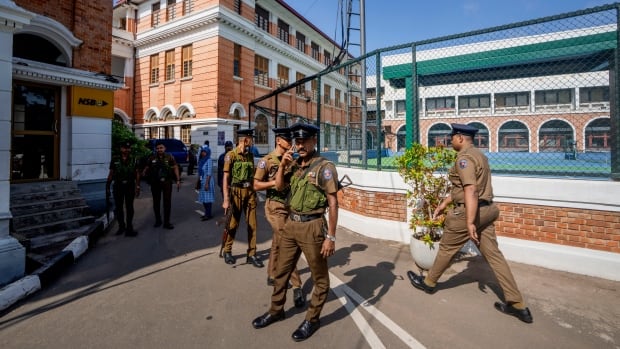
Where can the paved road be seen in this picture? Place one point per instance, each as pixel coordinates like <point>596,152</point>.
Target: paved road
<point>169,289</point>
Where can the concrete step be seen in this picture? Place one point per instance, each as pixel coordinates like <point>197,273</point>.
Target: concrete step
<point>30,207</point>
<point>54,227</point>
<point>42,216</point>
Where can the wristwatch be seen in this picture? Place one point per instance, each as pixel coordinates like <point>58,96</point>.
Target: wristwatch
<point>332,238</point>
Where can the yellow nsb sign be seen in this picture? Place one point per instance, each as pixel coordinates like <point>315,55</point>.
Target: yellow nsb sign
<point>92,102</point>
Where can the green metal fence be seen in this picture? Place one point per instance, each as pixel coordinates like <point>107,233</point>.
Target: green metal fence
<point>541,92</point>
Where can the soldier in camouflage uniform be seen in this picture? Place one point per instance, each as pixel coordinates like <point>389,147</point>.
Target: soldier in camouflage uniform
<point>162,170</point>
<point>239,196</point>
<point>126,177</point>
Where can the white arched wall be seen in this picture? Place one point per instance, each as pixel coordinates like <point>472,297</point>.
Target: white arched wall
<point>55,33</point>
<point>237,106</point>
<point>123,116</point>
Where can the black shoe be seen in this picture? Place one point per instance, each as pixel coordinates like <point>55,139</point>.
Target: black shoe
<point>418,282</point>
<point>270,281</point>
<point>228,258</point>
<point>205,218</point>
<point>305,330</point>
<point>267,319</point>
<point>157,224</point>
<point>131,232</point>
<point>120,231</point>
<point>255,261</point>
<point>299,298</point>
<point>522,314</point>
<point>169,226</point>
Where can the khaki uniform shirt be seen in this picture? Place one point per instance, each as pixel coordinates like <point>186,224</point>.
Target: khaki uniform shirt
<point>471,167</point>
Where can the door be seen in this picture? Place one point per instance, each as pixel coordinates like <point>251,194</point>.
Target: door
<point>34,132</point>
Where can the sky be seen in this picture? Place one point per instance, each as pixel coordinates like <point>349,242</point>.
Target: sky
<point>395,22</point>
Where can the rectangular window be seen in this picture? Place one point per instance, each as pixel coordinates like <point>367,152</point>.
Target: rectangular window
<point>301,42</point>
<point>473,102</point>
<point>237,60</point>
<point>237,6</point>
<point>327,58</point>
<point>594,94</point>
<point>188,7</point>
<point>154,69</point>
<point>171,11</point>
<point>327,135</point>
<point>186,57</point>
<point>300,90</point>
<point>155,14</point>
<point>186,131</point>
<point>553,97</point>
<point>314,47</point>
<point>517,99</point>
<point>261,18</point>
<point>327,98</point>
<point>169,65</point>
<point>282,75</point>
<point>261,70</point>
<point>314,87</point>
<point>338,131</point>
<point>400,107</point>
<point>337,101</point>
<point>283,31</point>
<point>442,103</point>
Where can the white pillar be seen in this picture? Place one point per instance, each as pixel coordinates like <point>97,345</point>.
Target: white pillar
<point>12,253</point>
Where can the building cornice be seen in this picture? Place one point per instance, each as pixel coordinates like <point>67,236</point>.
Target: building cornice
<point>24,69</point>
<point>12,16</point>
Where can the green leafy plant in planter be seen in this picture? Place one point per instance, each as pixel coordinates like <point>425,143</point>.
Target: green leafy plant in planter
<point>425,170</point>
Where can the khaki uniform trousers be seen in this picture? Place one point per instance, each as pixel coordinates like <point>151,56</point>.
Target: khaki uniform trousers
<point>298,237</point>
<point>276,214</point>
<point>242,200</point>
<point>455,236</point>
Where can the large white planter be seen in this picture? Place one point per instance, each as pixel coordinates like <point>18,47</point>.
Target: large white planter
<point>423,255</point>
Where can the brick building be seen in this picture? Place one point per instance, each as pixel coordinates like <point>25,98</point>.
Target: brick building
<point>199,63</point>
<point>57,102</point>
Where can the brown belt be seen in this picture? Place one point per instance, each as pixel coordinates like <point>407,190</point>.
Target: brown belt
<point>481,203</point>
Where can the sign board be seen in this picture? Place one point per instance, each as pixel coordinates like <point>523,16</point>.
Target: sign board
<point>92,102</point>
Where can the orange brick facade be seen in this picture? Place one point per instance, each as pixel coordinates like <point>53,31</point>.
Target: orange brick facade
<point>591,229</point>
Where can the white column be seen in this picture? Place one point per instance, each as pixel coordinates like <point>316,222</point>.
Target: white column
<point>12,253</point>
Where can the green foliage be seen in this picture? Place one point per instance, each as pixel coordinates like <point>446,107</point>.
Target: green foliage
<point>120,134</point>
<point>424,169</point>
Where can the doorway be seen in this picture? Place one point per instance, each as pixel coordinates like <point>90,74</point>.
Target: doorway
<point>35,132</point>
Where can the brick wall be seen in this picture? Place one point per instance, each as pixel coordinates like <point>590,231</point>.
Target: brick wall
<point>592,229</point>
<point>90,21</point>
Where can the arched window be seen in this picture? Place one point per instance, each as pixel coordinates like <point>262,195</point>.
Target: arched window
<point>598,135</point>
<point>513,136</point>
<point>555,135</point>
<point>439,134</point>
<point>401,138</point>
<point>45,52</point>
<point>481,140</point>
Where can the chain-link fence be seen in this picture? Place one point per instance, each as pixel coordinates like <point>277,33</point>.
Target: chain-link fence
<point>542,94</point>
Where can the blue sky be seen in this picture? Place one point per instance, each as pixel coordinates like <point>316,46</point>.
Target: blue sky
<point>394,22</point>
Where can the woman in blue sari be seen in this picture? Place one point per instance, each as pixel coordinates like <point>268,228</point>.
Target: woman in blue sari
<point>206,194</point>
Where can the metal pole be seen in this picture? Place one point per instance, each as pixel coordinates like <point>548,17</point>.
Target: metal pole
<point>363,82</point>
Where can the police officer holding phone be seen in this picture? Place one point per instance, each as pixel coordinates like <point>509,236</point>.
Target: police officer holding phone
<point>313,188</point>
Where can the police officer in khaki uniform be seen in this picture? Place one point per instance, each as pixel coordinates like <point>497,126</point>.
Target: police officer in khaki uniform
<point>313,187</point>
<point>126,177</point>
<point>472,217</point>
<point>275,206</point>
<point>239,196</point>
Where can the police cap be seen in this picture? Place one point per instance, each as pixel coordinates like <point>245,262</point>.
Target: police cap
<point>228,144</point>
<point>245,133</point>
<point>283,132</point>
<point>463,129</point>
<point>300,130</point>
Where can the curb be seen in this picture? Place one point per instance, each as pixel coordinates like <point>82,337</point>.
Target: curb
<point>46,274</point>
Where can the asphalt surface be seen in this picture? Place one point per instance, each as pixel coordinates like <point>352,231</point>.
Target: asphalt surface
<point>169,289</point>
